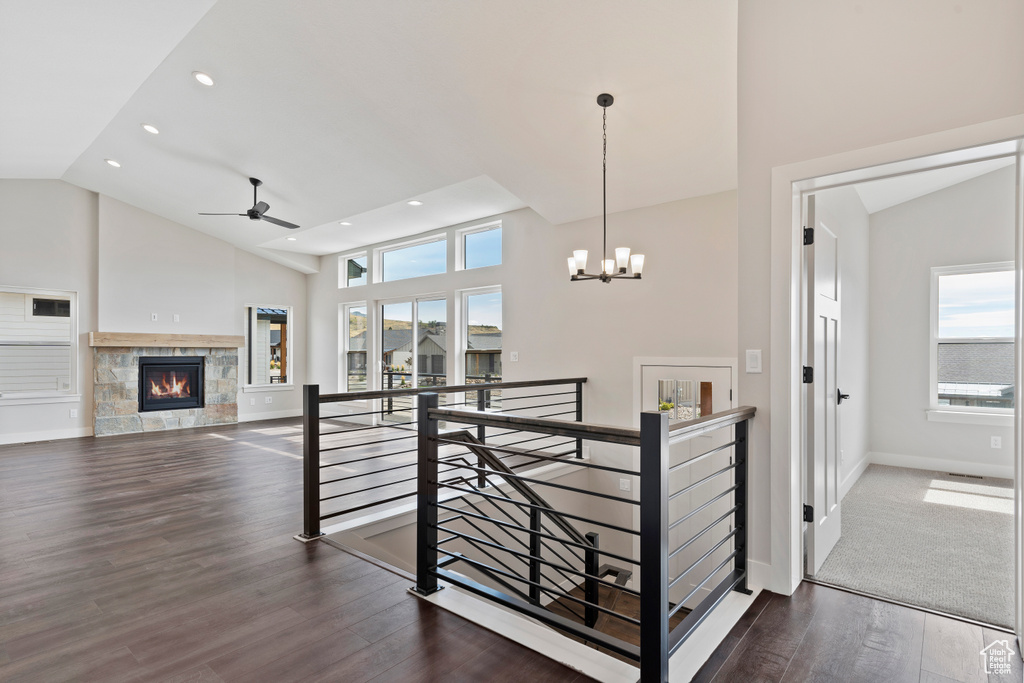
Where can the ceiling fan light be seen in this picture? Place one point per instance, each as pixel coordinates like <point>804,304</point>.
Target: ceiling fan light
<point>580,256</point>
<point>637,262</point>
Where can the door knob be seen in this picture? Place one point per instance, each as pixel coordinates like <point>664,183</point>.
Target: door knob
<point>840,396</point>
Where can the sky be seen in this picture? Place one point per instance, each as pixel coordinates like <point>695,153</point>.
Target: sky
<point>976,305</point>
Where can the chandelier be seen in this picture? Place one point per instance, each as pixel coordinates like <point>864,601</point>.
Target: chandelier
<point>611,269</point>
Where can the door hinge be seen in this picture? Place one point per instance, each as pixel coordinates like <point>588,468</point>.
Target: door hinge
<point>808,374</point>
<point>808,513</point>
<point>730,394</point>
<point>808,236</point>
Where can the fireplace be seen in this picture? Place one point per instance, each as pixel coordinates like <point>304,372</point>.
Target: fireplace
<point>170,382</point>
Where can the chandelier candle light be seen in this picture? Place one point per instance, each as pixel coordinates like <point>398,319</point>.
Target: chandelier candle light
<point>611,269</point>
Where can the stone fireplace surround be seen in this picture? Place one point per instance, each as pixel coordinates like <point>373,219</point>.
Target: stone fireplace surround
<point>116,380</point>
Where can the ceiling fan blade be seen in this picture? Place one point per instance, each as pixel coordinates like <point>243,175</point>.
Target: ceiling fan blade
<point>260,207</point>
<point>220,214</point>
<point>278,221</point>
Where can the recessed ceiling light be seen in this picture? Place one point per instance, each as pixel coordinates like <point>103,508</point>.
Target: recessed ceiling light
<point>415,202</point>
<point>344,223</point>
<point>150,128</point>
<point>291,239</point>
<point>113,163</point>
<point>203,78</point>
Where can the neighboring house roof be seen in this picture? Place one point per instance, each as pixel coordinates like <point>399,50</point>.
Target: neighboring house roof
<point>976,363</point>
<point>491,340</point>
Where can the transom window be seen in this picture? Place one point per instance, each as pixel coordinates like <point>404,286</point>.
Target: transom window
<point>417,260</point>
<point>481,247</point>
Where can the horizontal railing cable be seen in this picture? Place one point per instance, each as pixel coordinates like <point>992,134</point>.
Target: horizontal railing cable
<point>690,514</point>
<point>720,567</point>
<point>698,458</point>
<point>703,531</point>
<point>541,482</point>
<point>503,448</point>
<point>711,551</point>
<point>706,479</point>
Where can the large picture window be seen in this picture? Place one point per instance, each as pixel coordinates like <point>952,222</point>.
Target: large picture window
<point>973,337</point>
<point>267,345</point>
<point>38,343</point>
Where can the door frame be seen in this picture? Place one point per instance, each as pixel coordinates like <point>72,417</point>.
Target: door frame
<point>789,184</point>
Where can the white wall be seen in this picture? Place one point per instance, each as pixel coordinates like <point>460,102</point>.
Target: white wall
<point>972,222</point>
<point>842,211</point>
<point>825,78</point>
<point>48,240</point>
<point>125,265</point>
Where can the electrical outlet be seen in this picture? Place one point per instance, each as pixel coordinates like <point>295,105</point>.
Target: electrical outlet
<point>74,412</point>
<point>252,401</point>
<point>514,356</point>
<point>177,318</point>
<point>623,484</point>
<point>153,317</point>
<point>268,399</point>
<point>997,442</point>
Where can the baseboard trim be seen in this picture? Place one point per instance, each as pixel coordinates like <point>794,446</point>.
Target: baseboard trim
<point>918,462</point>
<point>853,476</point>
<point>273,415</point>
<point>49,435</point>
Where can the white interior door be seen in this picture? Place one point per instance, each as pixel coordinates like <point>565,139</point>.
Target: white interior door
<point>823,328</point>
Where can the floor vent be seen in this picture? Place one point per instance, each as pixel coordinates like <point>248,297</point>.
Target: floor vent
<point>965,476</point>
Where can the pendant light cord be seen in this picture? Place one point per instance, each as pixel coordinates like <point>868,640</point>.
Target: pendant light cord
<point>604,183</point>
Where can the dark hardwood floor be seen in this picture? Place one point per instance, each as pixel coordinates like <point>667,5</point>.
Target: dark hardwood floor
<point>168,557</point>
<point>827,635</point>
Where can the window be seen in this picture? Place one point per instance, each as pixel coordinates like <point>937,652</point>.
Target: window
<point>481,247</point>
<point>353,270</point>
<point>483,341</point>
<point>38,343</point>
<point>425,258</point>
<point>355,348</point>
<point>267,345</point>
<point>973,337</point>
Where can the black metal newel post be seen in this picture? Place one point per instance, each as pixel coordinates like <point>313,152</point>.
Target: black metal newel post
<point>654,547</point>
<point>481,434</point>
<point>535,556</point>
<point>579,416</point>
<point>310,461</point>
<point>591,565</point>
<point>426,498</point>
<point>740,501</point>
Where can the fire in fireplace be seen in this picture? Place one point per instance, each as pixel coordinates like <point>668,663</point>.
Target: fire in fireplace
<point>170,382</point>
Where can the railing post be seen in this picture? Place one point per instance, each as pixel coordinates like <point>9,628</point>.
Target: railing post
<point>426,498</point>
<point>579,416</point>
<point>591,565</point>
<point>310,462</point>
<point>654,547</point>
<point>534,555</point>
<point>391,385</point>
<point>481,434</point>
<point>740,501</point>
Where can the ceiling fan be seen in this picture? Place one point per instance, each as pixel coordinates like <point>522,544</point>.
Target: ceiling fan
<point>258,210</point>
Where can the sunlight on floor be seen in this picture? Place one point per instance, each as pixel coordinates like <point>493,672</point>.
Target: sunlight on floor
<point>969,500</point>
<point>980,489</point>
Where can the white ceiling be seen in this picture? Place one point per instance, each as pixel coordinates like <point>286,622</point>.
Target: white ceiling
<point>347,109</point>
<point>888,192</point>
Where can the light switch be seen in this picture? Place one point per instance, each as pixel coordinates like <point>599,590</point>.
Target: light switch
<point>753,361</point>
<point>177,318</point>
<point>514,356</point>
<point>153,317</point>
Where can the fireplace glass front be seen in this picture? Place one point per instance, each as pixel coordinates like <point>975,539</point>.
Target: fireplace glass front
<point>170,382</point>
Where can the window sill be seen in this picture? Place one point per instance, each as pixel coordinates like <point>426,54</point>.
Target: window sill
<point>970,417</point>
<point>26,400</point>
<point>267,387</point>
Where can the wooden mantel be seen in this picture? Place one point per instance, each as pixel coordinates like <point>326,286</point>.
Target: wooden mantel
<point>152,339</point>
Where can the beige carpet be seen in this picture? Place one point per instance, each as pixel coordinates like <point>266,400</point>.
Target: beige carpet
<point>928,539</point>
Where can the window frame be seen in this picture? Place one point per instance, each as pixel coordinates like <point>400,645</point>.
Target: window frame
<point>344,333</point>
<point>963,414</point>
<point>463,329</point>
<point>343,260</point>
<point>378,257</point>
<point>248,322</point>
<point>460,248</point>
<point>71,394</point>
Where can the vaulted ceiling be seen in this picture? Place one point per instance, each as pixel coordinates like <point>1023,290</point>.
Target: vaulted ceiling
<point>348,109</point>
